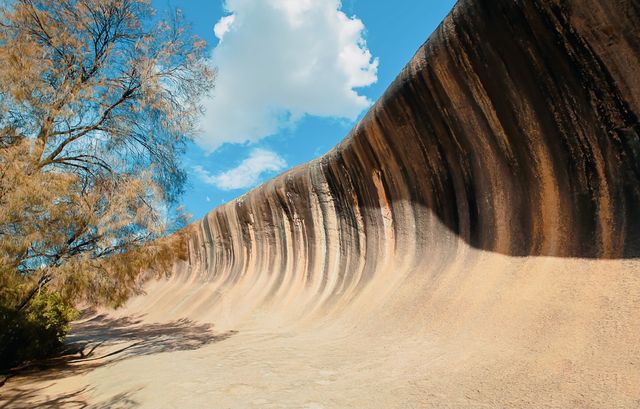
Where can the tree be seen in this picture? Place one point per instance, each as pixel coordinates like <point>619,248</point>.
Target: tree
<point>97,101</point>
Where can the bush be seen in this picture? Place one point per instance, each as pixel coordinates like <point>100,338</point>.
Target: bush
<point>37,331</point>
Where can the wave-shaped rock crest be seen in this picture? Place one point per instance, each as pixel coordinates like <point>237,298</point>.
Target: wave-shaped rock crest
<point>473,242</point>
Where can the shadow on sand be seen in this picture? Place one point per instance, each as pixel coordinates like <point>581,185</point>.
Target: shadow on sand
<point>38,398</point>
<point>137,338</point>
<point>96,342</point>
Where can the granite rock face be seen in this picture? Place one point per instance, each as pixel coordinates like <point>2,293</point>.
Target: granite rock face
<point>473,242</point>
<point>515,126</point>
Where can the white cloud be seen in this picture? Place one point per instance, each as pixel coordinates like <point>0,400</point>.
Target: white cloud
<point>247,174</point>
<point>281,60</point>
<point>222,26</point>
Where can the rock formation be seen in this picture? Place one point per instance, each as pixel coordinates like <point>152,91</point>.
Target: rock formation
<point>515,127</point>
<point>473,242</point>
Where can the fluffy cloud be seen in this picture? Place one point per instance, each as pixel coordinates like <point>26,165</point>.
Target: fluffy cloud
<point>281,60</point>
<point>222,26</point>
<point>247,174</point>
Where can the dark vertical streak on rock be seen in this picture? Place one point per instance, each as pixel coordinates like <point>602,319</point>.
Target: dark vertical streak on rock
<point>515,127</point>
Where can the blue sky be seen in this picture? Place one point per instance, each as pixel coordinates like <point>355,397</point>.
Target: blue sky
<point>294,76</point>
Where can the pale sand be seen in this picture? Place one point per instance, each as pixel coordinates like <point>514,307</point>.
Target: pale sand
<point>486,330</point>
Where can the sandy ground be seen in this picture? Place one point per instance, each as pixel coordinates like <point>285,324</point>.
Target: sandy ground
<point>486,331</point>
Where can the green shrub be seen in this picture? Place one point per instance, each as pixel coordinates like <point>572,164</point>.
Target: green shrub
<point>37,331</point>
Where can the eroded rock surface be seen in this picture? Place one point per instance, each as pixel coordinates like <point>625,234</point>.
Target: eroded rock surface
<point>515,127</point>
<point>473,242</point>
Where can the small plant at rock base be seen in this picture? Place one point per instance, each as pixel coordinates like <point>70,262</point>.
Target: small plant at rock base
<point>35,332</point>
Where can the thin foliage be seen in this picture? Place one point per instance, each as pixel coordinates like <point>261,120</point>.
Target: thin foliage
<point>97,101</point>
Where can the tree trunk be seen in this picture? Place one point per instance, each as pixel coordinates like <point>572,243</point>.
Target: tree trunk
<point>44,279</point>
